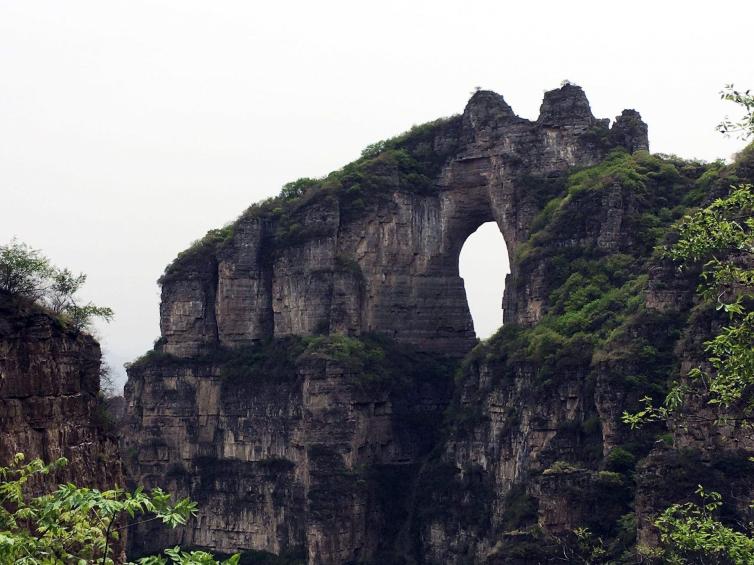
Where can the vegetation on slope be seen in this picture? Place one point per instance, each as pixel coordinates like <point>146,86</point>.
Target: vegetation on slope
<point>409,162</point>
<point>375,363</point>
<point>595,327</point>
<point>595,292</point>
<point>721,238</point>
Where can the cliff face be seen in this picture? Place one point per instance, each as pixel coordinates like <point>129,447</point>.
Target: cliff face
<point>536,417</point>
<point>376,249</point>
<point>302,390</point>
<point>49,383</point>
<point>287,447</point>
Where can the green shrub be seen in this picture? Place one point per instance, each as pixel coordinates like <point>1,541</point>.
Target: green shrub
<point>620,460</point>
<point>298,188</point>
<point>72,524</point>
<point>562,467</point>
<point>28,275</point>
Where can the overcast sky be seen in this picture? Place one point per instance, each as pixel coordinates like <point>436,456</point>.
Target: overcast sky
<point>128,129</point>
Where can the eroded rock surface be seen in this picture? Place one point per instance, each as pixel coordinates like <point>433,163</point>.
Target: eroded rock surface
<point>389,264</point>
<point>318,456</point>
<point>289,451</point>
<point>49,385</point>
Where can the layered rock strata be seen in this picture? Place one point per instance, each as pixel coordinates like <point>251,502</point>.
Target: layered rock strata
<point>389,265</point>
<point>49,387</point>
<point>307,458</point>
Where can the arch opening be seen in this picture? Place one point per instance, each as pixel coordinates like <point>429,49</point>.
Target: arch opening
<point>483,264</point>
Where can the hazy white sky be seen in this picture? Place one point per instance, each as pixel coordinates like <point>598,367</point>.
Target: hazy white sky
<point>128,129</point>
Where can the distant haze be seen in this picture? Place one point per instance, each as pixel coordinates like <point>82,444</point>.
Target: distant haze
<point>128,129</point>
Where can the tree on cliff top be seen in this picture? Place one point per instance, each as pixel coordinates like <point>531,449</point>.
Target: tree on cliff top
<point>26,272</point>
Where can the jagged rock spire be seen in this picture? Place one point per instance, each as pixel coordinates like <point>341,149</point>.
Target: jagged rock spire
<point>565,106</point>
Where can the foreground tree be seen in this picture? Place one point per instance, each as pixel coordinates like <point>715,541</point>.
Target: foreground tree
<point>744,126</point>
<point>692,533</point>
<point>81,525</point>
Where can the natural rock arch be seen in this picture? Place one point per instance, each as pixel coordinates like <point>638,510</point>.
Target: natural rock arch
<point>386,261</point>
<point>483,265</point>
<point>266,438</point>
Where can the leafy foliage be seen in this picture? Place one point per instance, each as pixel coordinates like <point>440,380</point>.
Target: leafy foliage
<point>297,188</point>
<point>79,525</point>
<point>722,237</point>
<point>745,125</point>
<point>692,533</point>
<point>723,227</point>
<point>25,272</point>
<point>176,556</point>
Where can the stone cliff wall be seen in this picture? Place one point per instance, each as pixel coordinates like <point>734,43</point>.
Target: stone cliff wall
<point>305,453</point>
<point>387,262</point>
<point>287,446</point>
<point>49,385</point>
<point>537,416</point>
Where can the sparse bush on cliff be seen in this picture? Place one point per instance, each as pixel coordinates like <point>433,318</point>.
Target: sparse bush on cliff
<point>26,273</point>
<point>202,247</point>
<point>297,188</point>
<point>373,149</point>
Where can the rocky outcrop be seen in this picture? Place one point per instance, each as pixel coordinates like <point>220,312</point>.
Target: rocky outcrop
<point>335,262</point>
<point>49,387</point>
<point>537,416</point>
<point>310,451</point>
